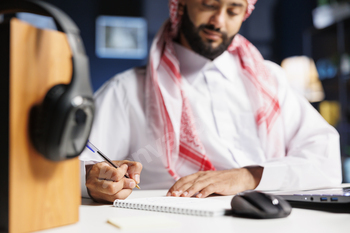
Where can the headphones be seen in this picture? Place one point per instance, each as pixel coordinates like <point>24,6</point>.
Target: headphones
<point>60,126</point>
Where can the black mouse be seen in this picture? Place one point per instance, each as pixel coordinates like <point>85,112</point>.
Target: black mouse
<point>255,204</point>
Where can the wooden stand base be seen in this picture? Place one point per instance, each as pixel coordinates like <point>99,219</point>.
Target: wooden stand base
<point>41,194</point>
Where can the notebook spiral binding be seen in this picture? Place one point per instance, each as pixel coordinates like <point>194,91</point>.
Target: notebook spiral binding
<point>160,208</point>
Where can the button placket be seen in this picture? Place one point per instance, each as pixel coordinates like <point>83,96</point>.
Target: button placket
<point>221,114</point>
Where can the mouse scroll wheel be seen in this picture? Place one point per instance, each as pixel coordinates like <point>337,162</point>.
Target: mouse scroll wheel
<point>275,201</point>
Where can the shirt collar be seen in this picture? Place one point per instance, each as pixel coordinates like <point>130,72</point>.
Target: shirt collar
<point>191,63</point>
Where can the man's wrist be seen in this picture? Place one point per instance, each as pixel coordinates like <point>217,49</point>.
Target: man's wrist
<point>254,176</point>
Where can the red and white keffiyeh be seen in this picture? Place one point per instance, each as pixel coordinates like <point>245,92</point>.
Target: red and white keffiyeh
<point>175,19</point>
<point>189,151</point>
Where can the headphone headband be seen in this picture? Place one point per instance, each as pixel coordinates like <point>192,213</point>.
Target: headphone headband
<point>42,8</point>
<point>64,24</point>
<point>60,126</point>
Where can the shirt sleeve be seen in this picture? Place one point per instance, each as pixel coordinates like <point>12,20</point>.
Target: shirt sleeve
<point>110,130</point>
<point>312,157</point>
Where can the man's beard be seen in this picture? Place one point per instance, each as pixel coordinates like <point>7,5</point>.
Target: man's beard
<point>197,44</point>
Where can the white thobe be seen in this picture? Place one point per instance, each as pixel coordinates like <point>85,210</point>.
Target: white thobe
<point>225,124</point>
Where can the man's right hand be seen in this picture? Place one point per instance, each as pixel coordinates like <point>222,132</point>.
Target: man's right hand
<point>106,183</point>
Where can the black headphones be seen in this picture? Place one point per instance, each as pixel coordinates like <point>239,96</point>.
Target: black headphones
<point>60,125</point>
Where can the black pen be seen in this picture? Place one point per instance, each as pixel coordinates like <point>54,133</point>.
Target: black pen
<point>95,150</point>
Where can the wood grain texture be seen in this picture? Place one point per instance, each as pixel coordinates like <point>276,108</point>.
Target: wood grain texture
<point>42,194</point>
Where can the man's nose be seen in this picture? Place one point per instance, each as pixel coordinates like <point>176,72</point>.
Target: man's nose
<point>218,18</point>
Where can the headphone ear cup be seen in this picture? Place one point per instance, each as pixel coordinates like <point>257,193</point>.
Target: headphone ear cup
<point>41,119</point>
<point>35,128</point>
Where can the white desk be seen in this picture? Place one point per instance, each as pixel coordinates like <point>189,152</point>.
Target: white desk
<point>93,218</point>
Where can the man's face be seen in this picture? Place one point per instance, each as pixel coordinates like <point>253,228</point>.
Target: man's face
<point>208,26</point>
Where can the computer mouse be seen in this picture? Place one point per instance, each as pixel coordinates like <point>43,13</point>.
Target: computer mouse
<point>255,204</point>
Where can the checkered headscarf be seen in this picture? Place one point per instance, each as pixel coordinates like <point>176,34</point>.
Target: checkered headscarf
<point>175,19</point>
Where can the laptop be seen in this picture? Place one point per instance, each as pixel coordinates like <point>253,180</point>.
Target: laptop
<point>328,199</point>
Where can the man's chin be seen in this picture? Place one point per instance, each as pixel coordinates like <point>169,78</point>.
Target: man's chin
<point>214,45</point>
<point>211,43</point>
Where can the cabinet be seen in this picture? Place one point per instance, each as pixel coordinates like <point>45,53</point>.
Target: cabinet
<point>330,49</point>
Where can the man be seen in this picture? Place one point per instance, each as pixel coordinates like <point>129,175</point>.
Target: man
<point>207,115</point>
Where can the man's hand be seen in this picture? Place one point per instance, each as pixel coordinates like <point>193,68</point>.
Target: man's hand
<point>106,183</point>
<point>226,182</point>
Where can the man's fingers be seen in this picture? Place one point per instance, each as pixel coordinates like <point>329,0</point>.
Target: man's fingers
<point>210,189</point>
<point>110,187</point>
<point>193,185</point>
<point>197,187</point>
<point>103,188</point>
<point>121,162</point>
<point>105,198</point>
<point>106,183</point>
<point>129,184</point>
<point>134,169</point>
<point>184,188</point>
<point>175,189</point>
<point>182,184</point>
<point>107,172</point>
<point>106,179</point>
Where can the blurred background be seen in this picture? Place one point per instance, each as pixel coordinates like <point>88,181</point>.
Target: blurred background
<point>309,38</point>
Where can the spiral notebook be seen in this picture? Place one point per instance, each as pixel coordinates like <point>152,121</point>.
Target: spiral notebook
<point>178,205</point>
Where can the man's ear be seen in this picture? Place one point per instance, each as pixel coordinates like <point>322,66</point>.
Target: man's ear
<point>180,8</point>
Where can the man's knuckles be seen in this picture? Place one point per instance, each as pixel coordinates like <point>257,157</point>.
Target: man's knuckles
<point>111,188</point>
<point>136,166</point>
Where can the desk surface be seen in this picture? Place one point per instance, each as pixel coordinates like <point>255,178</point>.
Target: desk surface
<point>93,218</point>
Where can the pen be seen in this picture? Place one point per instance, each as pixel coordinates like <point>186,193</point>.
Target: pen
<point>95,150</point>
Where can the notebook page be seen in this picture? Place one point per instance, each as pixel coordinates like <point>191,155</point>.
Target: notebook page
<point>178,205</point>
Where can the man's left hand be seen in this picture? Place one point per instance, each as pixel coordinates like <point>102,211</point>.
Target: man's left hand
<point>226,182</point>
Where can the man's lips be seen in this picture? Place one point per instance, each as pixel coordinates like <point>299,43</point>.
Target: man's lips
<point>212,35</point>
